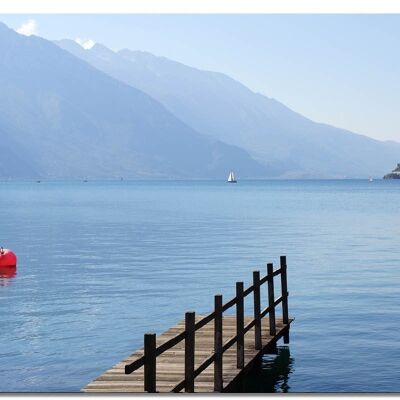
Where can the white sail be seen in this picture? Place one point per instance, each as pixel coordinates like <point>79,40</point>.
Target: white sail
<point>231,177</point>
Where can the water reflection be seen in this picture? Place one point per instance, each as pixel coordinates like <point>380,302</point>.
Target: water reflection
<point>272,376</point>
<point>6,275</point>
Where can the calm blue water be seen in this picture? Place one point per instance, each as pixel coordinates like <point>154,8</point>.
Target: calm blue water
<point>100,263</point>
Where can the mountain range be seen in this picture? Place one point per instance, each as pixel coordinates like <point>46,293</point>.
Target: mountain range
<point>68,112</point>
<point>289,144</point>
<point>62,118</point>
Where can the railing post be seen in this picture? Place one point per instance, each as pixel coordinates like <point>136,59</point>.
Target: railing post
<point>271,299</point>
<point>218,380</point>
<point>285,294</point>
<point>239,325</point>
<point>150,362</point>
<point>285,307</point>
<point>257,311</point>
<point>189,351</point>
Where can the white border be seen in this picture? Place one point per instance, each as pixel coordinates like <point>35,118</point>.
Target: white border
<point>198,6</point>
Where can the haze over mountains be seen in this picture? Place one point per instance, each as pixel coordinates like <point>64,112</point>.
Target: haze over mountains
<point>289,144</point>
<point>67,112</point>
<point>62,118</point>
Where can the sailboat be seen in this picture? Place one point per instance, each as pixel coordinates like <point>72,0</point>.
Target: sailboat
<point>231,177</point>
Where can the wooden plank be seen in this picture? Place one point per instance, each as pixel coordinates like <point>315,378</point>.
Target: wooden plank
<point>171,364</point>
<point>173,341</point>
<point>197,354</point>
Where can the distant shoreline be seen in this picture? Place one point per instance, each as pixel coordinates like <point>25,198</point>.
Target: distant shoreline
<point>77,180</point>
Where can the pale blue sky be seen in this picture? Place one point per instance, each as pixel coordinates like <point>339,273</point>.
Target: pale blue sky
<point>338,69</point>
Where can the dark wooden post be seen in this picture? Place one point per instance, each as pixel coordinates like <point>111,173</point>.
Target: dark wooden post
<point>257,310</point>
<point>285,307</point>
<point>189,351</point>
<point>150,362</point>
<point>271,299</point>
<point>285,294</point>
<point>218,382</point>
<point>239,325</point>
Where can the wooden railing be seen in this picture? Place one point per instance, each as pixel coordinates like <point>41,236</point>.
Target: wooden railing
<point>151,351</point>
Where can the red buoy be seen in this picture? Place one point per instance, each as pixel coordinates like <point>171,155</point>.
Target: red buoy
<point>8,259</point>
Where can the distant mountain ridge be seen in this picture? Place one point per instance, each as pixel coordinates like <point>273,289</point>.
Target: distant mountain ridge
<point>284,141</point>
<point>62,118</point>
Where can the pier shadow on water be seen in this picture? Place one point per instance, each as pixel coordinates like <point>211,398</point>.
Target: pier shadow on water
<point>271,375</point>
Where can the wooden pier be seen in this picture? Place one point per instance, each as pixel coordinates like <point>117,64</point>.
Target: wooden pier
<point>206,353</point>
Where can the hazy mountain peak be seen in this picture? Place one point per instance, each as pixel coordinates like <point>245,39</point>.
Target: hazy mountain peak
<point>100,48</point>
<point>87,44</point>
<point>70,43</point>
<point>225,109</point>
<point>138,53</point>
<point>65,118</point>
<point>130,113</point>
<point>140,57</point>
<point>145,60</point>
<point>75,44</point>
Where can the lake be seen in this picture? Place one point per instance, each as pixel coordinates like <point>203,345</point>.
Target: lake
<point>101,263</point>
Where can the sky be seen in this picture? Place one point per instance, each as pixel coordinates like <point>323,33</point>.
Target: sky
<point>343,70</point>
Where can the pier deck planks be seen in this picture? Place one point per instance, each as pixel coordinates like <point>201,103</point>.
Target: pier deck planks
<point>170,364</point>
